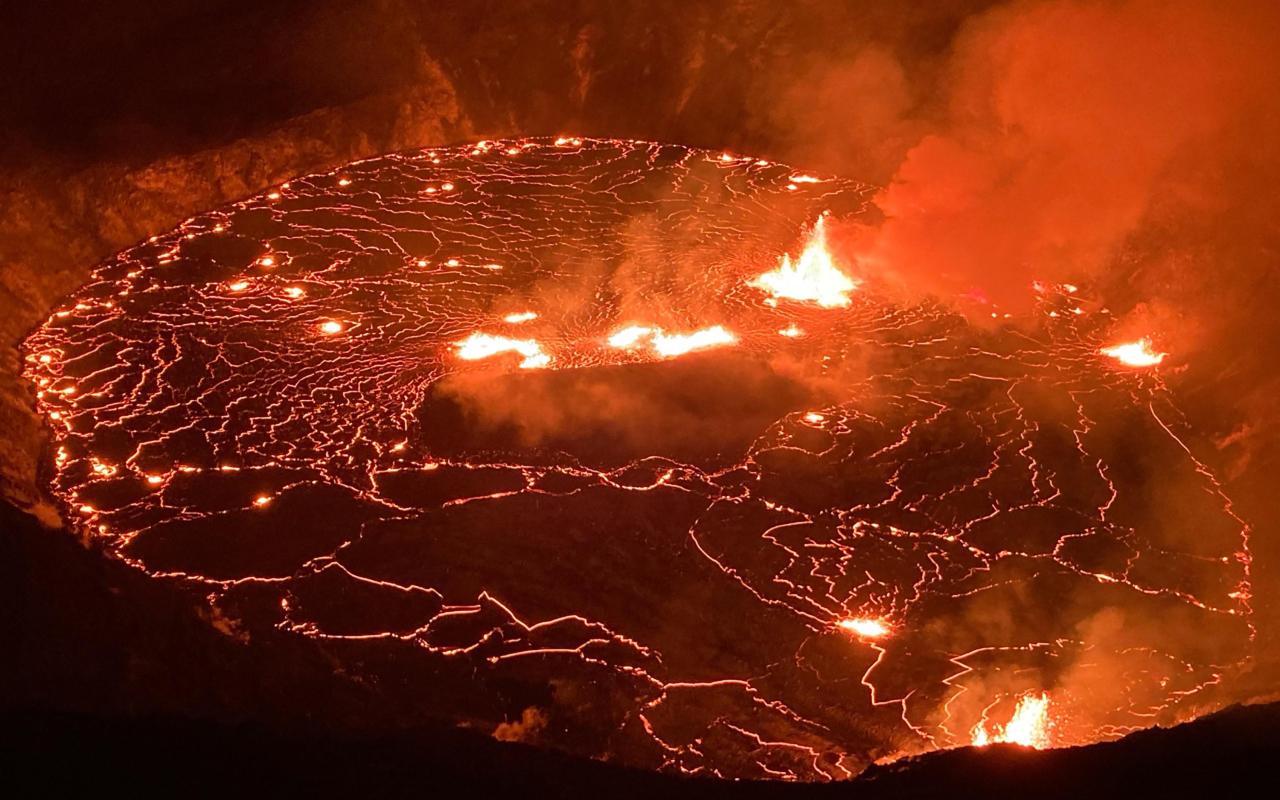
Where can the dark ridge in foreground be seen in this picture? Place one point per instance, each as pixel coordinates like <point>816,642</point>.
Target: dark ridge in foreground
<point>1213,756</point>
<point>115,682</point>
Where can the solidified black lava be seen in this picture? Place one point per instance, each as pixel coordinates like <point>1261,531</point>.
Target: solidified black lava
<point>705,409</point>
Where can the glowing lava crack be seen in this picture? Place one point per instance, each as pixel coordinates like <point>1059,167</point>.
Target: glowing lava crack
<point>603,428</point>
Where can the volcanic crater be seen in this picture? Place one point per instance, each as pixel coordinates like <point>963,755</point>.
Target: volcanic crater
<point>519,424</point>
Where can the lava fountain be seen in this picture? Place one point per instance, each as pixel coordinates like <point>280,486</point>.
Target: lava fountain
<point>605,429</point>
<point>813,277</point>
<point>1029,726</point>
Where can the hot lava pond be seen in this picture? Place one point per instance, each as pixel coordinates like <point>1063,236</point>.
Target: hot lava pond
<point>518,431</point>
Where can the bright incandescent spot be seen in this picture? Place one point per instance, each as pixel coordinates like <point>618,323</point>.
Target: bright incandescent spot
<point>606,429</point>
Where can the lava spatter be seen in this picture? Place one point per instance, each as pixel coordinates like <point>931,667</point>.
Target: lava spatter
<point>707,521</point>
<point>813,277</point>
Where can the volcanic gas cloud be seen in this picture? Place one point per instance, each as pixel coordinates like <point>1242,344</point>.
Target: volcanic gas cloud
<point>604,435</point>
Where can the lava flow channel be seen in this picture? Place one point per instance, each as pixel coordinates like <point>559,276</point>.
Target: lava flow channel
<point>561,425</point>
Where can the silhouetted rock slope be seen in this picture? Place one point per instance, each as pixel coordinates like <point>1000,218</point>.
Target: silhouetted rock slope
<point>111,680</point>
<point>1219,756</point>
<point>1222,754</point>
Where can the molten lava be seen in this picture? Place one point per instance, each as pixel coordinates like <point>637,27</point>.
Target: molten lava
<point>677,344</point>
<point>812,278</point>
<point>1134,354</point>
<point>865,627</point>
<point>484,345</point>
<point>1029,726</point>
<point>630,336</point>
<point>670,345</point>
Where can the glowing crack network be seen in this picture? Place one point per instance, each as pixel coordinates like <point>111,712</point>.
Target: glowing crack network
<point>407,409</point>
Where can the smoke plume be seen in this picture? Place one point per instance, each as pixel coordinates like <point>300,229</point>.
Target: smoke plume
<point>1131,148</point>
<point>1071,133</point>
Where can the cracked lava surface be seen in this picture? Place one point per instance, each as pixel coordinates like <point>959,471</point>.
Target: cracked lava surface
<point>518,424</point>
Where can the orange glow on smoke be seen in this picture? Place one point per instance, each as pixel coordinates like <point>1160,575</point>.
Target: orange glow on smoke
<point>485,345</point>
<point>670,345</point>
<point>811,278</point>
<point>1029,726</point>
<point>1134,354</point>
